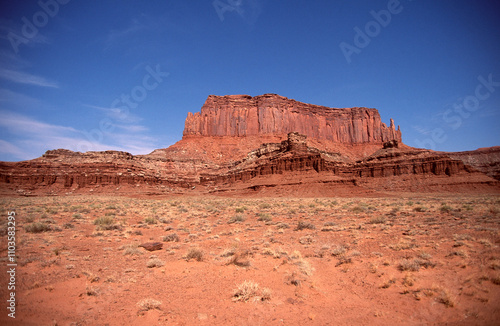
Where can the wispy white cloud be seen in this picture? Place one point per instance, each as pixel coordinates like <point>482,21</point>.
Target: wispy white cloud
<point>136,25</point>
<point>19,99</point>
<point>11,150</point>
<point>119,34</point>
<point>133,128</point>
<point>14,26</point>
<point>24,78</point>
<point>116,114</point>
<point>16,123</point>
<point>422,130</point>
<point>27,138</point>
<point>9,58</point>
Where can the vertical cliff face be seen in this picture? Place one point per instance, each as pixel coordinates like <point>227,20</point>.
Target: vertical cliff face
<point>271,114</point>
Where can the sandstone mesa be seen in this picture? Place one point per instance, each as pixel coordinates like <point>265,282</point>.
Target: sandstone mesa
<point>267,144</point>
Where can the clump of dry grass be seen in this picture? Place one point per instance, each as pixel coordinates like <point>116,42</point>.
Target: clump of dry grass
<point>238,218</point>
<point>339,250</point>
<point>195,253</point>
<point>402,245</point>
<point>445,297</point>
<point>264,217</point>
<point>171,238</point>
<point>251,290</point>
<point>105,223</point>
<point>302,225</point>
<point>239,258</point>
<point>276,253</point>
<point>155,262</point>
<point>460,253</point>
<point>303,265</point>
<point>408,280</point>
<point>409,265</point>
<point>91,291</point>
<point>148,304</point>
<point>377,220</point>
<point>91,277</point>
<point>388,283</point>
<point>37,227</point>
<point>131,249</point>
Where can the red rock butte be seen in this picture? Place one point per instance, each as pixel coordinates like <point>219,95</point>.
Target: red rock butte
<point>271,114</point>
<point>264,145</point>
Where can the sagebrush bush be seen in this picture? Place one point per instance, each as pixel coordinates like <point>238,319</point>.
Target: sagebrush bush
<point>251,290</point>
<point>195,253</point>
<point>171,238</point>
<point>105,223</point>
<point>305,225</point>
<point>238,218</point>
<point>37,227</point>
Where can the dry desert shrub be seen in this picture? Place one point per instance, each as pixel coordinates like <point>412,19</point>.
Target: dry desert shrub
<point>131,249</point>
<point>91,277</point>
<point>459,253</point>
<point>91,291</point>
<point>303,265</point>
<point>229,251</point>
<point>485,242</point>
<point>276,253</point>
<point>388,283</point>
<point>445,297</point>
<point>402,245</point>
<point>171,238</point>
<point>37,227</point>
<point>155,262</point>
<point>282,226</point>
<point>239,258</point>
<point>240,209</point>
<point>307,239</point>
<point>408,280</point>
<point>150,220</point>
<point>302,225</point>
<point>264,217</point>
<point>251,290</point>
<point>414,264</point>
<point>445,208</point>
<point>238,218</point>
<point>339,250</point>
<point>195,253</point>
<point>377,220</point>
<point>105,223</point>
<point>148,304</point>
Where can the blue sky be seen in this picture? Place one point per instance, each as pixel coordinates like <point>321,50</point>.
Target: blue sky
<point>118,74</point>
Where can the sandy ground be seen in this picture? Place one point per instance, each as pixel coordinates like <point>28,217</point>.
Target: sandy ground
<point>225,261</point>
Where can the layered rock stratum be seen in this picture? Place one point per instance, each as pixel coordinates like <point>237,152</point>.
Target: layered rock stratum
<point>264,145</point>
<point>271,114</point>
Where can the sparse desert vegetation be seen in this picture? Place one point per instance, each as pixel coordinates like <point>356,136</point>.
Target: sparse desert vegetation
<point>301,257</point>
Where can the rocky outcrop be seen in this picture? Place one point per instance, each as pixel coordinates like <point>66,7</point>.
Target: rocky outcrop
<point>293,155</point>
<point>271,114</point>
<point>242,143</point>
<point>486,160</point>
